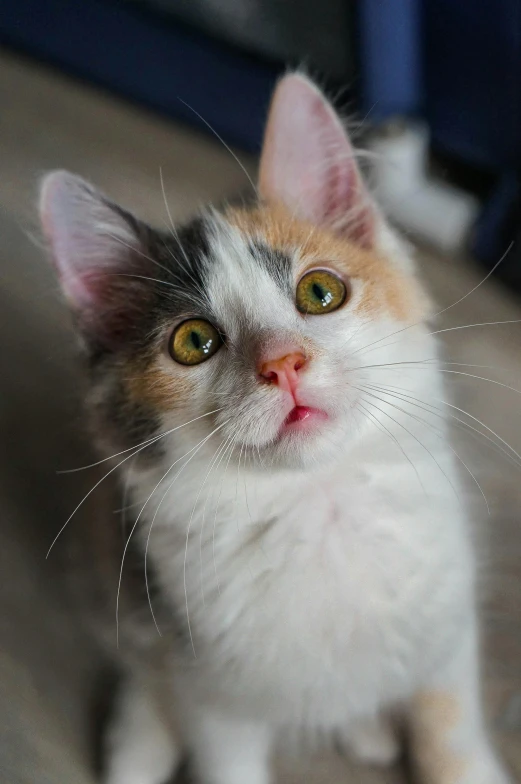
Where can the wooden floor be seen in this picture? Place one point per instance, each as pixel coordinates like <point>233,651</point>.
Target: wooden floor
<point>47,668</point>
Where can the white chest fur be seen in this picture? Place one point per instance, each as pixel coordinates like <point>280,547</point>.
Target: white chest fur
<point>308,597</point>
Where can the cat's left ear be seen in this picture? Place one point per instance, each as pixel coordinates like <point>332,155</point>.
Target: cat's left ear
<point>308,163</point>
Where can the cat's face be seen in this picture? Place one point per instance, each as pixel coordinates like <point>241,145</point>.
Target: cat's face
<point>254,322</point>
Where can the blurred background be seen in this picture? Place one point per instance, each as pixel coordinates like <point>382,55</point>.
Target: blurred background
<point>116,90</point>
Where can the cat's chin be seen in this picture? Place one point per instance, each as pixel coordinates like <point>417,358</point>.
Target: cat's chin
<point>304,439</point>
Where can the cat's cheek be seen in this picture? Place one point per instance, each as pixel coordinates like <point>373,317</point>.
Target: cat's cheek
<point>161,387</point>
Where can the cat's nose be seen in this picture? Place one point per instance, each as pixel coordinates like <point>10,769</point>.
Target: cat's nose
<point>283,371</point>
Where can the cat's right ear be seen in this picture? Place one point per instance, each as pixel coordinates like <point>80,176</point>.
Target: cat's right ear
<point>308,163</point>
<point>97,252</point>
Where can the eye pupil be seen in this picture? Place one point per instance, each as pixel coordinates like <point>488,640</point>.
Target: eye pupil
<point>318,291</point>
<point>195,340</point>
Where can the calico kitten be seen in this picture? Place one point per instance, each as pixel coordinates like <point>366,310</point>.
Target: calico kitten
<point>257,374</point>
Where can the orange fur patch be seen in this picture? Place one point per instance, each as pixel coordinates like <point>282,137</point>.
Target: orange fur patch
<point>149,384</point>
<point>386,289</point>
<point>434,715</point>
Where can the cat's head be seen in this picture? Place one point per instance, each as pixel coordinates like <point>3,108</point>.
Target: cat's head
<point>256,322</point>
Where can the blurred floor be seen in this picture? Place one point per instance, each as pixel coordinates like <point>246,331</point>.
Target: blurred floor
<point>47,667</point>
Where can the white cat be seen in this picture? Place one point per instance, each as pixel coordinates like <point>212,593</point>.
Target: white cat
<point>269,379</point>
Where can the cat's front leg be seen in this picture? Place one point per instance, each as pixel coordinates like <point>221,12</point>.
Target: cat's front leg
<point>139,747</point>
<point>449,741</point>
<point>228,750</point>
<point>374,740</point>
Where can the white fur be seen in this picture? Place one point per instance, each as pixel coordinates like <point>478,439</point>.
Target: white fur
<point>140,749</point>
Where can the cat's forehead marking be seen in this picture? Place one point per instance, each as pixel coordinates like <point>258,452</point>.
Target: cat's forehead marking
<point>250,284</point>
<point>387,288</point>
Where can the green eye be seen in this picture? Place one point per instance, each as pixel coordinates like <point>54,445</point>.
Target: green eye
<point>319,292</point>
<point>194,341</point>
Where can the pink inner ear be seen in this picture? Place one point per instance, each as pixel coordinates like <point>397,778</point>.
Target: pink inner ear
<point>92,248</point>
<point>308,162</point>
<point>88,239</point>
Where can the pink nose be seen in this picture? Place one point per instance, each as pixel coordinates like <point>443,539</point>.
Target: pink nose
<point>283,371</point>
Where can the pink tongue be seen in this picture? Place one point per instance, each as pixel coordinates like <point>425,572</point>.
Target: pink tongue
<point>298,414</point>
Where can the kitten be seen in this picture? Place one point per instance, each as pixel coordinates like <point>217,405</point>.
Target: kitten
<point>296,505</point>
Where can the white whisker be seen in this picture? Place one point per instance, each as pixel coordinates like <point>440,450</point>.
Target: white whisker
<point>460,423</point>
<point>384,429</point>
<point>143,443</point>
<point>236,159</point>
<point>444,310</point>
<point>216,462</point>
<point>196,448</point>
<point>186,556</point>
<point>232,449</point>
<point>412,436</point>
<point>441,435</point>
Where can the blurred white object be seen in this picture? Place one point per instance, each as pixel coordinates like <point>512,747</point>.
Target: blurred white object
<point>430,209</point>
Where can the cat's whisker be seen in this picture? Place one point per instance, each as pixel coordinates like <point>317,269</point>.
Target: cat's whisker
<point>353,335</point>
<point>111,471</point>
<point>250,456</point>
<point>414,437</point>
<point>126,508</point>
<point>472,375</point>
<point>194,450</point>
<point>380,365</point>
<point>417,365</point>
<point>173,229</point>
<point>449,307</point>
<point>214,526</point>
<point>471,364</point>
<point>148,258</point>
<point>143,443</point>
<point>143,277</point>
<point>200,445</point>
<point>460,423</point>
<point>185,267</point>
<point>437,332</point>
<point>68,276</point>
<point>140,253</point>
<point>403,398</point>
<point>385,430</point>
<point>226,147</point>
<point>479,324</point>
<point>440,435</point>
<point>186,557</point>
<point>126,488</point>
<point>466,413</point>
<point>216,462</point>
<point>237,488</point>
<point>143,255</point>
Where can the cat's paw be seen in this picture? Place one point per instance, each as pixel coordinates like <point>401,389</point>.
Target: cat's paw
<point>139,749</point>
<point>373,741</point>
<point>485,769</point>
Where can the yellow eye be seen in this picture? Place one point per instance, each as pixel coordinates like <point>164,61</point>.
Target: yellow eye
<point>319,292</point>
<point>194,341</point>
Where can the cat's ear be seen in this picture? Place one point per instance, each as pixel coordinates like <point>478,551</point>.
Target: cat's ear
<point>308,162</point>
<point>97,252</point>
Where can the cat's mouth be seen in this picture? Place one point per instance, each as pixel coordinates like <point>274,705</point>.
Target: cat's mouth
<point>303,418</point>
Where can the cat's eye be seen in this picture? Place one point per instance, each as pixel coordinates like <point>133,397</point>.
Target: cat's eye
<point>194,341</point>
<point>320,291</point>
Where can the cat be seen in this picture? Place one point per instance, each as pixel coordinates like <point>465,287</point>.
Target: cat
<point>308,562</point>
